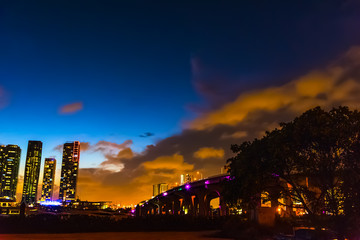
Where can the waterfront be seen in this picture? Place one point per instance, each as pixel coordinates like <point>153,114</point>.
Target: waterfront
<point>204,235</point>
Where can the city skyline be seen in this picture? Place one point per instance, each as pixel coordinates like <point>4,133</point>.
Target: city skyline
<point>38,189</point>
<point>155,91</point>
<point>29,194</point>
<point>71,153</point>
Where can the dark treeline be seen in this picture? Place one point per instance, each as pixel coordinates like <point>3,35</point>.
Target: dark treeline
<point>313,160</point>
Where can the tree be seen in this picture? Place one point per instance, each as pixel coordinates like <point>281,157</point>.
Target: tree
<point>314,160</point>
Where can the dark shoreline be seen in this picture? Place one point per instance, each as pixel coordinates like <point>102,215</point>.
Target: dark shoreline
<point>199,235</point>
<point>81,224</point>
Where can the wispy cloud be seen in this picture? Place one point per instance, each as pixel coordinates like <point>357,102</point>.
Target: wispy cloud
<point>4,97</point>
<point>71,108</point>
<point>147,134</point>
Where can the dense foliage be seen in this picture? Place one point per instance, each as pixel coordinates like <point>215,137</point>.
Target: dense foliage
<point>313,160</point>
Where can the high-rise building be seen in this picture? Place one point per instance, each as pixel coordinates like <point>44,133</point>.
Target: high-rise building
<point>48,179</point>
<point>10,159</point>
<point>2,161</point>
<point>182,179</point>
<point>32,172</point>
<point>185,178</point>
<point>69,171</point>
<point>159,188</point>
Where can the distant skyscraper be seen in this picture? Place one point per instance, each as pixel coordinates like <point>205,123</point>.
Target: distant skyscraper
<point>10,159</point>
<point>32,171</point>
<point>159,188</point>
<point>185,178</point>
<point>69,171</point>
<point>182,179</point>
<point>48,179</point>
<point>2,161</point>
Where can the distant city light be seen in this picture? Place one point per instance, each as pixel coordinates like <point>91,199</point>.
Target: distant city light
<point>165,193</point>
<point>187,186</point>
<point>50,203</point>
<point>207,182</point>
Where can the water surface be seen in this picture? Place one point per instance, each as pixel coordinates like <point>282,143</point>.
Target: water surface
<point>115,236</point>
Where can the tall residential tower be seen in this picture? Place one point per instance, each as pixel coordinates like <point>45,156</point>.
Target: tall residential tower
<point>48,179</point>
<point>69,171</point>
<point>10,159</point>
<point>32,171</point>
<point>159,188</point>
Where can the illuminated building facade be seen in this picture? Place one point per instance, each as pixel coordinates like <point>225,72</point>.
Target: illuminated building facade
<point>159,188</point>
<point>32,172</point>
<point>86,205</point>
<point>185,178</point>
<point>69,171</point>
<point>10,159</point>
<point>48,179</point>
<point>9,207</point>
<point>2,161</point>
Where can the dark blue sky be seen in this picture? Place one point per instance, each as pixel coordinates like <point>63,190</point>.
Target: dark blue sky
<point>131,64</point>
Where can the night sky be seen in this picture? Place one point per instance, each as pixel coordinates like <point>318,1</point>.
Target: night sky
<point>154,89</point>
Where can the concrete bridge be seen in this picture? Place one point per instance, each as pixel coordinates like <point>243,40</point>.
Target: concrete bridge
<point>192,198</point>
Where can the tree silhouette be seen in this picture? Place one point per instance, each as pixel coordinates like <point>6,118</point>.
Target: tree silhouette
<point>314,160</point>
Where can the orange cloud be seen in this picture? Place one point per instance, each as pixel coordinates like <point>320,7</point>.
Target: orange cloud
<point>130,185</point>
<point>71,108</point>
<point>84,146</point>
<point>163,169</point>
<point>174,162</point>
<point>115,154</point>
<point>209,152</point>
<point>330,87</point>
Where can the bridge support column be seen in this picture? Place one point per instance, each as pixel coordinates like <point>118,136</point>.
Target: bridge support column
<point>176,207</point>
<point>160,207</point>
<point>187,205</point>
<point>223,207</point>
<point>192,206</point>
<point>143,212</point>
<point>202,204</point>
<point>168,207</point>
<point>138,211</point>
